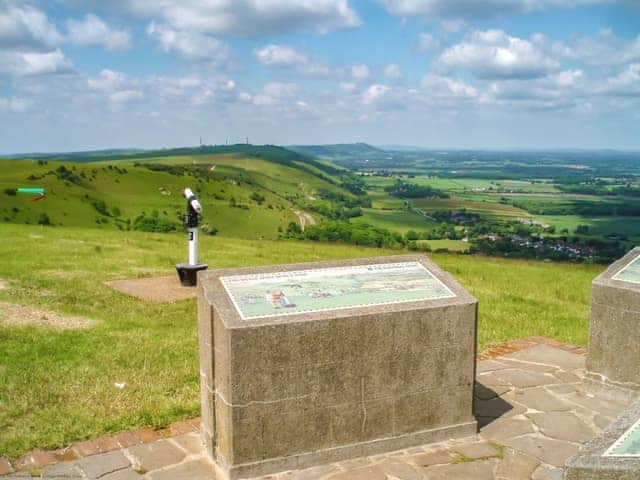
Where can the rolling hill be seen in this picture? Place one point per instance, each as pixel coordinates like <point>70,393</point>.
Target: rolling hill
<point>247,191</point>
<point>338,150</point>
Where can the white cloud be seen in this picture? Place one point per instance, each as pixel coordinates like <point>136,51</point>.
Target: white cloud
<point>348,87</point>
<point>393,72</point>
<point>375,93</point>
<point>280,55</point>
<point>275,55</point>
<point>427,42</point>
<point>603,49</point>
<point>126,96</point>
<point>360,72</point>
<point>560,88</point>
<point>108,80</point>
<point>440,87</point>
<point>188,44</point>
<point>28,42</point>
<point>34,63</point>
<point>15,104</point>
<point>93,31</point>
<point>244,18</point>
<point>25,27</point>
<point>274,93</point>
<point>624,84</point>
<point>452,25</point>
<point>475,8</point>
<point>494,54</point>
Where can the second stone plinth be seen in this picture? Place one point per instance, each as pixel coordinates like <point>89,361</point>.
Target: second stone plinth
<point>614,333</point>
<point>311,363</point>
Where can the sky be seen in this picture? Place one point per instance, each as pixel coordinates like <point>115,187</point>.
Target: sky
<point>508,74</point>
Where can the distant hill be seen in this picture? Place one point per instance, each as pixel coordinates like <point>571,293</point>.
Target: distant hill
<point>337,150</point>
<point>71,155</point>
<point>250,191</point>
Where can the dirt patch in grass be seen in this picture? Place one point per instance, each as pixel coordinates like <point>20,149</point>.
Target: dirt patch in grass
<point>13,314</point>
<point>3,285</point>
<point>154,289</point>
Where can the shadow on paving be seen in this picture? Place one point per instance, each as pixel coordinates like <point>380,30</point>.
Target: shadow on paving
<point>488,406</point>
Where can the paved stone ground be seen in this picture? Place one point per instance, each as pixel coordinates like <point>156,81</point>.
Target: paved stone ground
<point>533,408</point>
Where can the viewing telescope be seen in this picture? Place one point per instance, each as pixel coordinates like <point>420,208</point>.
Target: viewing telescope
<point>194,204</point>
<point>188,272</point>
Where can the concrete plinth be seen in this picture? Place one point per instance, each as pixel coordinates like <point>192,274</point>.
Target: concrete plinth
<point>594,462</point>
<point>313,363</point>
<point>614,329</point>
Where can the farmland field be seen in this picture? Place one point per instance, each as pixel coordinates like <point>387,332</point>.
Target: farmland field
<point>397,220</point>
<point>486,207</point>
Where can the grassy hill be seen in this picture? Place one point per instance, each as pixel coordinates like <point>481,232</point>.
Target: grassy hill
<point>246,191</point>
<point>58,385</point>
<point>338,150</point>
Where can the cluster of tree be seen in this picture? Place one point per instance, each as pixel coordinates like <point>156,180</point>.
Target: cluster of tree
<point>346,232</point>
<point>256,197</point>
<point>199,171</point>
<point>333,211</point>
<point>354,184</point>
<point>337,205</point>
<point>344,200</point>
<point>403,189</point>
<point>63,173</point>
<point>603,207</point>
<point>234,204</point>
<point>458,217</point>
<point>600,188</point>
<point>154,223</point>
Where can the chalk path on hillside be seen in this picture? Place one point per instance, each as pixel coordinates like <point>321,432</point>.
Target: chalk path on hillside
<point>305,219</point>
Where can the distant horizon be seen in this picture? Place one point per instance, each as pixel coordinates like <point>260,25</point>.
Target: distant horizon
<point>384,147</point>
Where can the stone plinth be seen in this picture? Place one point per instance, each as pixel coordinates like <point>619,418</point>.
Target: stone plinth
<point>612,455</point>
<point>614,330</point>
<point>312,363</point>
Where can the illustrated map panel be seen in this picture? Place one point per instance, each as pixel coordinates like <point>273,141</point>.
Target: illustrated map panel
<point>630,273</point>
<point>286,293</point>
<point>628,445</point>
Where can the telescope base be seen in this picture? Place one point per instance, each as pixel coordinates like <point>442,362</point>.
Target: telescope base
<point>189,273</point>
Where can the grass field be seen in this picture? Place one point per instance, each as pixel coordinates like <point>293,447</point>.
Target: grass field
<point>630,226</point>
<point>450,245</point>
<point>485,208</point>
<point>397,220</point>
<point>458,185</point>
<point>58,386</point>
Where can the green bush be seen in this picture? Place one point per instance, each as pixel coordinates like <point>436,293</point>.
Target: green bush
<point>153,223</point>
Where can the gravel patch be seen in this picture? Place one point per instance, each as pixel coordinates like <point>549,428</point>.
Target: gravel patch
<point>13,314</point>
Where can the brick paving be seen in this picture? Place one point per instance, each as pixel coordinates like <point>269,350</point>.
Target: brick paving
<point>532,404</point>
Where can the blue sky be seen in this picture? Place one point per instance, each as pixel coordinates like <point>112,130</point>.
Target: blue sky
<point>88,74</point>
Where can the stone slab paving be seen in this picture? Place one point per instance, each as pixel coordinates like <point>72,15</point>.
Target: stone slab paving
<point>534,409</point>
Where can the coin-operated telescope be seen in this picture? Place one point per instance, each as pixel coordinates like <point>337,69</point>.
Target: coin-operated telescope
<point>188,272</point>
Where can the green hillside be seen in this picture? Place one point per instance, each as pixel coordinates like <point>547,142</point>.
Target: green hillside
<point>246,191</point>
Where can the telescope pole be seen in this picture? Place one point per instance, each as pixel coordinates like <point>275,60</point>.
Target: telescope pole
<point>193,245</point>
<point>188,271</point>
